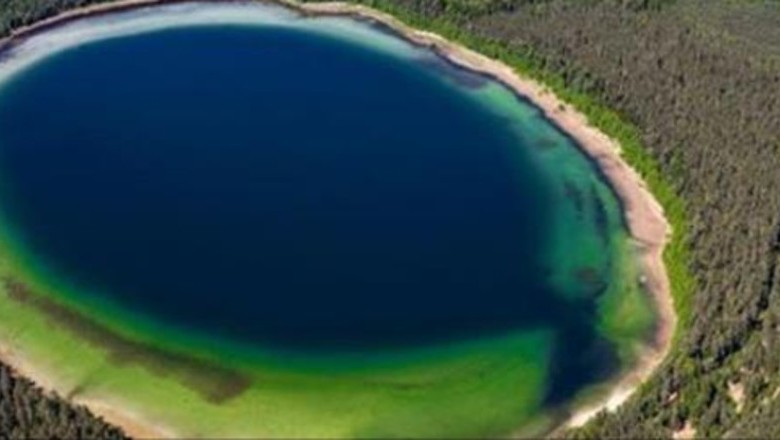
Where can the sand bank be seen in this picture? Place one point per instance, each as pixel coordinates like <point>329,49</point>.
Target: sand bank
<point>644,215</point>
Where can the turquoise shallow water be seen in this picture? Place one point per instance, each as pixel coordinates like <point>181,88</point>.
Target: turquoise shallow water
<point>310,191</point>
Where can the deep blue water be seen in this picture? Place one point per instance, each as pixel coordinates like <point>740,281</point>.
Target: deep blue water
<point>278,189</point>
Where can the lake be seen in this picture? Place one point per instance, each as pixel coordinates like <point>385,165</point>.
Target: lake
<point>313,194</point>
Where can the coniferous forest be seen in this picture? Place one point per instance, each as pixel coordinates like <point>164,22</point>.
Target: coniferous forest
<point>27,412</point>
<point>692,90</point>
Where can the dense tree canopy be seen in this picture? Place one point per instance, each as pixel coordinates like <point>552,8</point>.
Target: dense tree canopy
<point>27,412</point>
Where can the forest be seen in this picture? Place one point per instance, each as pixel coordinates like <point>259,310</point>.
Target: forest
<point>691,88</point>
<point>27,412</point>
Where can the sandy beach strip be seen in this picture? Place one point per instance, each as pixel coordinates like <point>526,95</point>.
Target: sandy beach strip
<point>134,425</point>
<point>644,215</point>
<point>27,31</point>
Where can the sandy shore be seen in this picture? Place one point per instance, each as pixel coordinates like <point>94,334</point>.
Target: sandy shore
<point>134,425</point>
<point>645,217</point>
<point>23,32</point>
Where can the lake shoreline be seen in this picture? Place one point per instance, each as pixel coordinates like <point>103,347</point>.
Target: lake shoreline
<point>643,214</point>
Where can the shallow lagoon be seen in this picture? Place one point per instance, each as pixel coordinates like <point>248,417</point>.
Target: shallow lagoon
<point>358,233</point>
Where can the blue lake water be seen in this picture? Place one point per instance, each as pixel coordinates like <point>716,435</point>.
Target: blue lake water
<point>261,185</point>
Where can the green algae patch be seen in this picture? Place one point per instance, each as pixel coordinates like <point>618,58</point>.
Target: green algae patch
<point>484,387</point>
<point>591,254</point>
<point>463,391</point>
<point>626,316</point>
